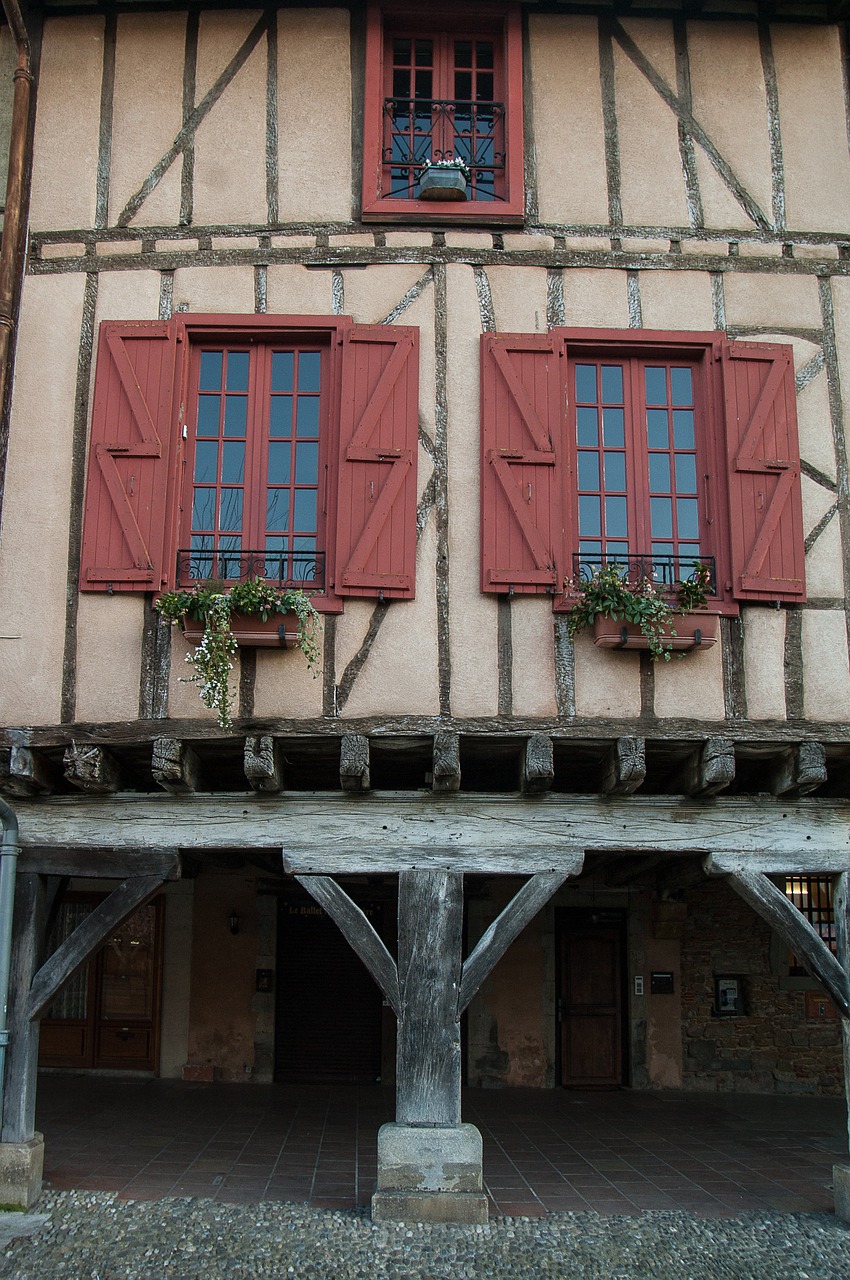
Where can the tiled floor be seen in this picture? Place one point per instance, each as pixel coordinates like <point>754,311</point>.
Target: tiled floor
<point>618,1152</point>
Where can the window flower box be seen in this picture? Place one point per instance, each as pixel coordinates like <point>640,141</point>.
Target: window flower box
<point>698,630</point>
<point>279,631</point>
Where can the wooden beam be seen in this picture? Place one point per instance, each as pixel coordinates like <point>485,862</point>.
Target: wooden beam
<point>841,915</point>
<point>709,770</point>
<point>263,764</point>
<point>354,762</point>
<point>72,954</point>
<point>175,766</point>
<point>493,944</point>
<point>92,769</point>
<point>359,932</point>
<point>807,862</point>
<point>18,1117</point>
<point>446,766</point>
<point>538,766</point>
<point>24,772</point>
<point>778,910</point>
<point>800,770</point>
<point>625,767</point>
<point>101,864</point>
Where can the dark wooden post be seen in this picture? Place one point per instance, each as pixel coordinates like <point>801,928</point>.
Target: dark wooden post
<point>22,1056</point>
<point>841,907</point>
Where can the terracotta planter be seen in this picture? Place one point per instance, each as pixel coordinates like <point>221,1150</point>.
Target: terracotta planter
<point>693,631</point>
<point>442,184</point>
<point>280,631</point>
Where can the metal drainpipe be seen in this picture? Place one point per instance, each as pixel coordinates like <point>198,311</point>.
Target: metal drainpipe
<point>12,244</point>
<point>9,850</point>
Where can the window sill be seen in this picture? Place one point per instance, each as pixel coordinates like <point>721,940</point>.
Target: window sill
<point>444,211</point>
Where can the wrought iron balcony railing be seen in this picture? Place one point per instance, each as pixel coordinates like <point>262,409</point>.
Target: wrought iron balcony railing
<point>664,571</point>
<point>280,568</point>
<point>417,129</point>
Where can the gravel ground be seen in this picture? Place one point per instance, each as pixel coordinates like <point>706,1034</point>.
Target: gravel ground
<point>94,1236</point>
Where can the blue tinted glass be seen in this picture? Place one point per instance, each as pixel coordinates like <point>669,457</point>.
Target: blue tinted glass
<point>309,370</point>
<point>614,428</point>
<point>688,517</point>
<point>308,416</point>
<point>656,385</point>
<point>659,472</point>
<point>686,473</point>
<point>681,386</point>
<point>617,550</point>
<point>233,462</point>
<point>657,429</point>
<point>616,520</point>
<point>615,471</point>
<point>589,518</point>
<point>208,411</point>
<point>612,384</point>
<point>210,379</point>
<point>277,509</point>
<point>588,471</point>
<point>206,461</point>
<point>662,548</point>
<point>304,516</point>
<point>586,383</point>
<point>230,510</point>
<point>587,427</point>
<point>280,416</point>
<point>283,364</point>
<point>307,463</point>
<point>279,460</point>
<point>662,517</point>
<point>237,370</point>
<point>235,415</point>
<point>203,509</point>
<point>683,428</point>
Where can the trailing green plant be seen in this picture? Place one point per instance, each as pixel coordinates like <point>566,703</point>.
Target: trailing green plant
<point>213,604</point>
<point>693,592</point>
<point>610,594</point>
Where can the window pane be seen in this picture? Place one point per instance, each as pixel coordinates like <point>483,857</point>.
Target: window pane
<point>210,379</point>
<point>209,408</point>
<point>662,517</point>
<point>659,472</point>
<point>203,509</point>
<point>307,463</point>
<point>589,517</point>
<point>308,416</point>
<point>588,427</point>
<point>683,428</point>
<point>230,512</point>
<point>280,416</point>
<point>309,370</point>
<point>656,386</point>
<point>484,53</point>
<point>277,509</point>
<point>279,458</point>
<point>617,550</point>
<point>615,471</point>
<point>463,53</point>
<point>235,415</point>
<point>422,80</point>
<point>657,436</point>
<point>588,471</point>
<point>424,52</point>
<point>283,365</point>
<point>206,461</point>
<point>614,427</point>
<point>616,521</point>
<point>681,386</point>
<point>586,383</point>
<point>686,510</point>
<point>233,462</point>
<point>686,473</point>
<point>305,510</point>
<point>237,370</point>
<point>612,384</point>
<point>463,86</point>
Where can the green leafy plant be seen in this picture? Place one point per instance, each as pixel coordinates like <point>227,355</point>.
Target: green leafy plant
<point>610,593</point>
<point>212,604</point>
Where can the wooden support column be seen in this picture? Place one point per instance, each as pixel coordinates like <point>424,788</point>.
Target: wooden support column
<point>263,764</point>
<point>354,762</point>
<point>841,908</point>
<point>446,766</point>
<point>625,768</point>
<point>92,769</point>
<point>22,1054</point>
<point>175,766</point>
<point>538,767</point>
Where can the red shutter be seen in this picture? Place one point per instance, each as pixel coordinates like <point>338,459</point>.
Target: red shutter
<point>765,506</point>
<point>124,526</point>
<point>523,485</point>
<point>379,439</point>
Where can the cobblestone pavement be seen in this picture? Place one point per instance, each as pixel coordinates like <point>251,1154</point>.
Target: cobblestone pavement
<point>96,1236</point>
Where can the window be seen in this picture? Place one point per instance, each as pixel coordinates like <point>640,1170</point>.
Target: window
<point>813,896</point>
<point>441,88</point>
<point>230,447</point>
<point>655,450</point>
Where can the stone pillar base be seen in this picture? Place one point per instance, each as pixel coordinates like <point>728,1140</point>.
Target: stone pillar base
<point>429,1175</point>
<point>841,1190</point>
<point>21,1167</point>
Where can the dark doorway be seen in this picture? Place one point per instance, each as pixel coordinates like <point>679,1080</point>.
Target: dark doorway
<point>328,1009</point>
<point>590,999</point>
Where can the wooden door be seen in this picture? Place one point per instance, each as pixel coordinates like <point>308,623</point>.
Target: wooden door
<point>108,1015</point>
<point>590,1004</point>
<point>328,1009</point>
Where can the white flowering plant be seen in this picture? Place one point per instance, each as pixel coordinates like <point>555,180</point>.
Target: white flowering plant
<point>452,163</point>
<point>213,605</point>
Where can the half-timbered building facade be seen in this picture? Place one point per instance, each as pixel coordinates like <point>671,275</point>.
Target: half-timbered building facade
<point>432,315</point>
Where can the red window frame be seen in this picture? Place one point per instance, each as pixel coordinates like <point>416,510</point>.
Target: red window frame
<point>502,25</point>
